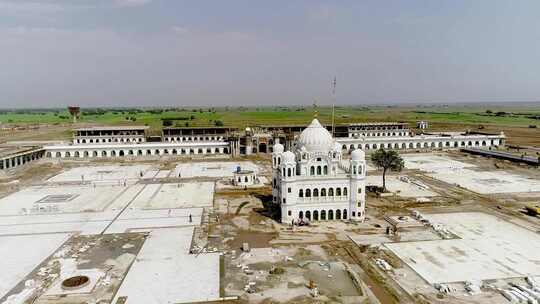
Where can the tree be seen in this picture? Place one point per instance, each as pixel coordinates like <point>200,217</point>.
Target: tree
<point>387,160</point>
<point>218,123</point>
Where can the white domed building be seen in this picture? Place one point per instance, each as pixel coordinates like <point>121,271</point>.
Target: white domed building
<point>314,183</point>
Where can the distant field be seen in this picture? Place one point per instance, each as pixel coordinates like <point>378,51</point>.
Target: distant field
<point>241,117</point>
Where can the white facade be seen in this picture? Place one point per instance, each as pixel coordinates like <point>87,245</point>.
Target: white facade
<point>107,135</point>
<point>20,158</point>
<point>194,138</point>
<point>134,150</point>
<point>428,142</point>
<point>313,182</point>
<point>378,129</point>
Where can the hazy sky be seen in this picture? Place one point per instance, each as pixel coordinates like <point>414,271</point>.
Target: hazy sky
<point>228,52</point>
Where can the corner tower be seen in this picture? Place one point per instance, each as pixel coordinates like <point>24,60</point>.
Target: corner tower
<point>357,169</point>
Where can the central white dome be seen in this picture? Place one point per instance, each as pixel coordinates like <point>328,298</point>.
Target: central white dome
<point>315,138</point>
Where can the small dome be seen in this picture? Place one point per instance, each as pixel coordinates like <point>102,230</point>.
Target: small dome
<point>289,157</point>
<point>358,155</point>
<point>278,148</point>
<point>315,138</point>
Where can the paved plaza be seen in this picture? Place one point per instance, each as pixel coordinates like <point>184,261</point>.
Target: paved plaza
<point>487,248</point>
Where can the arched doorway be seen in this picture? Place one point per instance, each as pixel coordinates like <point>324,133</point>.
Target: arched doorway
<point>263,148</point>
<point>315,215</point>
<point>308,215</point>
<point>323,215</point>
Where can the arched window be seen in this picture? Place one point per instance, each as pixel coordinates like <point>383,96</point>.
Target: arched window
<point>301,214</point>
<point>315,192</point>
<point>323,215</point>
<point>344,214</point>
<point>319,170</point>
<point>330,214</point>
<point>312,170</point>
<point>345,191</point>
<point>283,171</point>
<point>301,193</point>
<point>354,169</point>
<point>331,192</point>
<point>308,193</point>
<point>289,172</point>
<point>325,170</point>
<point>308,215</point>
<point>338,191</point>
<point>323,192</point>
<point>338,214</point>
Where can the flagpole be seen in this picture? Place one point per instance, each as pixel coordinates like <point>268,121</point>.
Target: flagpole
<point>333,106</point>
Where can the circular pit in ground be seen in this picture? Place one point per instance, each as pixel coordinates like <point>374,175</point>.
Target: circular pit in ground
<point>75,282</point>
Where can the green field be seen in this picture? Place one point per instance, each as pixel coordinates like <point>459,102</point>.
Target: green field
<point>251,116</point>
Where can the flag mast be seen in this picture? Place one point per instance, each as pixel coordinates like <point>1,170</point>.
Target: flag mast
<point>333,105</point>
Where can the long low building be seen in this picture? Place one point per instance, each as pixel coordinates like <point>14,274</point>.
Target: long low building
<point>431,141</point>
<point>219,140</point>
<point>143,149</point>
<point>13,157</point>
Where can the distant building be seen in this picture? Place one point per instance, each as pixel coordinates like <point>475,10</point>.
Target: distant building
<point>312,182</point>
<point>102,135</point>
<point>378,129</point>
<point>422,125</point>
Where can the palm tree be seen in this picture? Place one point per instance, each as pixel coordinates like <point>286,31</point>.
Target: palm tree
<point>387,160</point>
